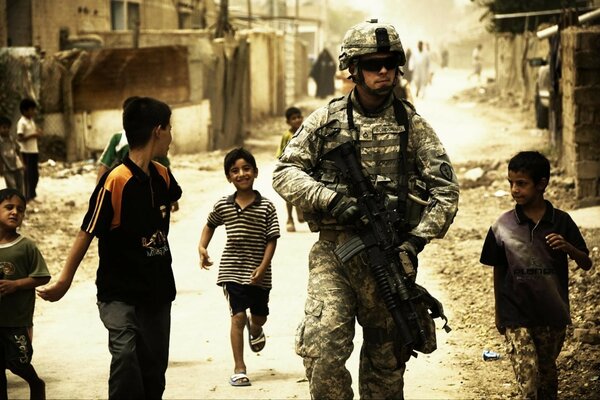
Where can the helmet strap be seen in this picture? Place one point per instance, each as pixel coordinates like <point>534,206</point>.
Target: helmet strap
<point>357,76</point>
<point>396,77</point>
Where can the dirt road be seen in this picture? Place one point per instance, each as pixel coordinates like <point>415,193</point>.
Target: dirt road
<point>70,342</point>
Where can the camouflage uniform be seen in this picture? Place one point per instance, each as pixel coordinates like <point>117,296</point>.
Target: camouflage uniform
<point>533,353</point>
<point>337,294</point>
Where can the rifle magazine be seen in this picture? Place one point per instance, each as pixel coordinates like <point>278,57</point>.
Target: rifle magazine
<point>350,248</point>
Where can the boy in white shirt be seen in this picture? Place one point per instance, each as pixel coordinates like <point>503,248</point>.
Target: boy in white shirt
<point>27,134</point>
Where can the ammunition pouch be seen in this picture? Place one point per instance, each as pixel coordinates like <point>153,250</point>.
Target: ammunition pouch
<point>427,309</point>
<point>416,202</point>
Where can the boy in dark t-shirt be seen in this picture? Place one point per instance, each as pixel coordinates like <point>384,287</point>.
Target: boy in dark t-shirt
<point>129,212</point>
<point>22,269</point>
<point>529,249</point>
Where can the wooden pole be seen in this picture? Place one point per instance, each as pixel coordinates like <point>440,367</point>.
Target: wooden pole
<point>249,3</point>
<point>74,143</point>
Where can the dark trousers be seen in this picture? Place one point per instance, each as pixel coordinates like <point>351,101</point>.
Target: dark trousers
<point>15,355</point>
<point>32,174</point>
<point>138,340</point>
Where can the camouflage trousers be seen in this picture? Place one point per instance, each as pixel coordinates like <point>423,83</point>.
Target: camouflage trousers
<point>338,295</point>
<point>533,353</point>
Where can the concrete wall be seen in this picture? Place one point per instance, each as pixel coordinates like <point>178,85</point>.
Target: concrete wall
<point>93,101</point>
<point>190,127</point>
<point>83,17</point>
<point>198,42</point>
<point>44,18</point>
<point>79,16</point>
<point>516,79</point>
<point>301,68</point>
<point>267,74</point>
<point>108,76</point>
<point>580,54</point>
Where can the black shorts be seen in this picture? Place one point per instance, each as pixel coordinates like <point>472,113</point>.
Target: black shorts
<point>15,347</point>
<point>242,297</point>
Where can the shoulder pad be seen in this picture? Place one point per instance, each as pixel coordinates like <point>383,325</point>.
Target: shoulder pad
<point>329,129</point>
<point>335,99</point>
<point>337,104</point>
<point>409,105</point>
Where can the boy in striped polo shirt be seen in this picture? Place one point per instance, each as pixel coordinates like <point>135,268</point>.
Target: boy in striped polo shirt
<point>245,269</point>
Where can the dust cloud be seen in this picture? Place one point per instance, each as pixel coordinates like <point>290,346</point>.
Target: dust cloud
<point>435,21</point>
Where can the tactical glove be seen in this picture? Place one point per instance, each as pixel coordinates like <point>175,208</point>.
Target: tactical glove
<point>344,209</point>
<point>413,246</point>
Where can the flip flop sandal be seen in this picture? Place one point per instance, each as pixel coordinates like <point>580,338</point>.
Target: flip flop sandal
<point>257,343</point>
<point>239,379</point>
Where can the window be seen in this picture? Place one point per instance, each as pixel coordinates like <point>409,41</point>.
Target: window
<point>124,14</point>
<point>185,19</point>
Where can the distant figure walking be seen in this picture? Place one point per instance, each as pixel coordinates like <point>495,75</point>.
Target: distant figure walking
<point>445,57</point>
<point>476,62</point>
<point>420,70</point>
<point>407,67</point>
<point>323,72</point>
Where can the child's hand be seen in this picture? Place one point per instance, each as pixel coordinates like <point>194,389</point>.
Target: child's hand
<point>7,287</point>
<point>53,292</point>
<point>557,242</point>
<point>257,276</point>
<point>205,261</point>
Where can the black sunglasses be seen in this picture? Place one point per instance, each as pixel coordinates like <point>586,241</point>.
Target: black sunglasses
<point>375,64</point>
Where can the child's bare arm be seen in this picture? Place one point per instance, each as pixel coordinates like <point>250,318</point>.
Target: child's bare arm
<point>259,273</point>
<point>21,137</point>
<point>10,286</point>
<point>205,237</point>
<point>57,290</point>
<point>557,242</point>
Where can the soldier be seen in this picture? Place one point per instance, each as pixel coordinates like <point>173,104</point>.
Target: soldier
<point>384,130</point>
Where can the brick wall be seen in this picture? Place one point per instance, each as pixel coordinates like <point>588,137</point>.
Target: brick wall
<point>580,52</point>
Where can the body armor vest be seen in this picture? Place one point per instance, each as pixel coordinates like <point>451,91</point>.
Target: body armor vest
<point>380,139</point>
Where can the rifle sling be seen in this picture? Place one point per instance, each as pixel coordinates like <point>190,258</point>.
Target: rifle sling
<point>402,119</point>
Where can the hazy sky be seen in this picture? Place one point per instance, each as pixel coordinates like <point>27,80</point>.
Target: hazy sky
<point>434,21</point>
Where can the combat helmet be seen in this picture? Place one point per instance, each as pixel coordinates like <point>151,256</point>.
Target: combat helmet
<point>370,37</point>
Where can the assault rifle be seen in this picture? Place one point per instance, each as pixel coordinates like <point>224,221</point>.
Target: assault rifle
<point>378,235</point>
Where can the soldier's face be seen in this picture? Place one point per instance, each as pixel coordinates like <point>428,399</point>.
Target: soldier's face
<point>379,71</point>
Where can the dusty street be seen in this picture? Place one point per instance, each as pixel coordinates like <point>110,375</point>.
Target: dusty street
<point>70,342</point>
